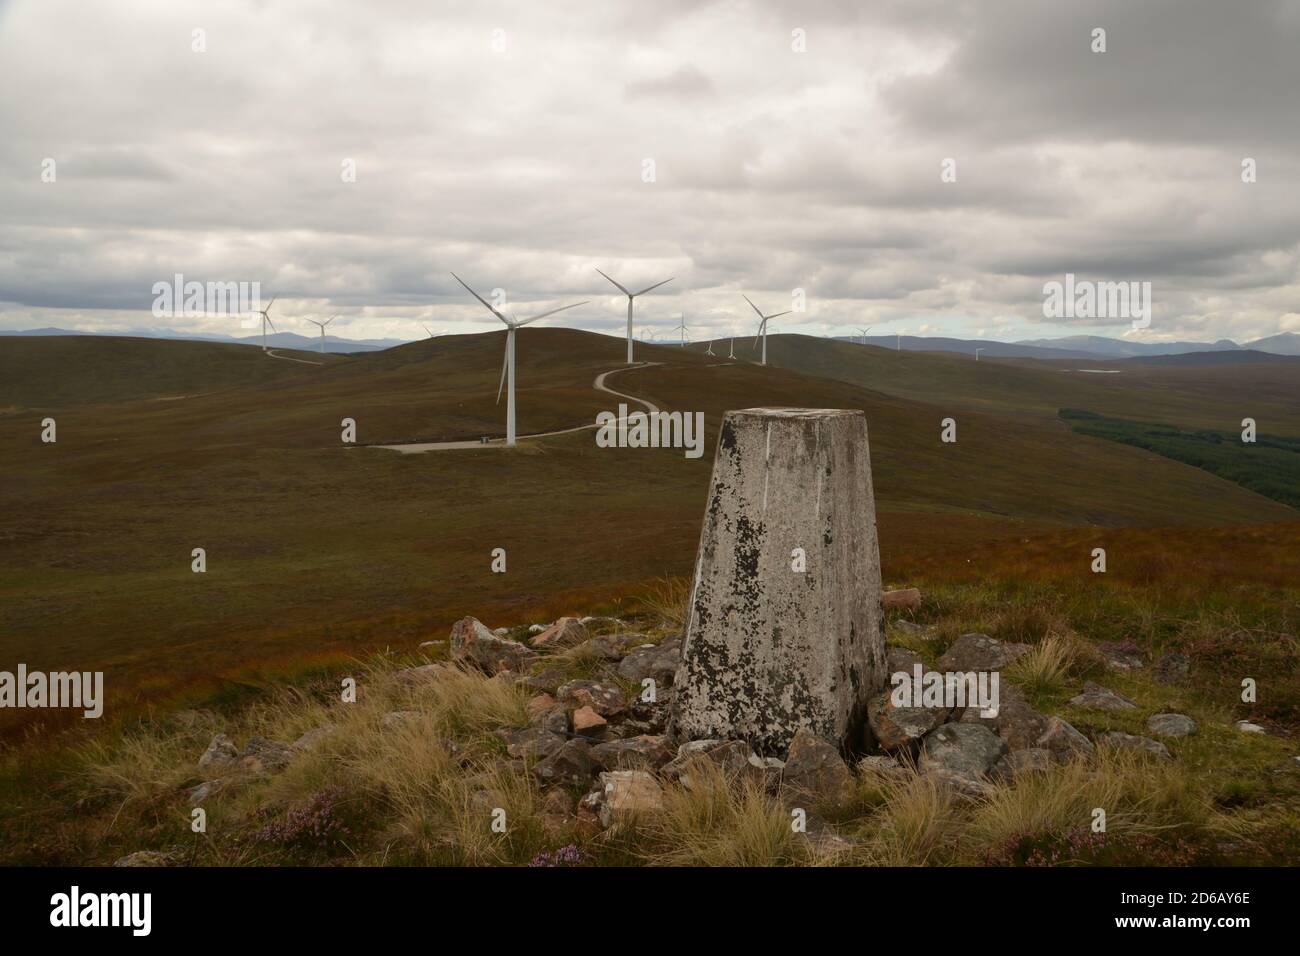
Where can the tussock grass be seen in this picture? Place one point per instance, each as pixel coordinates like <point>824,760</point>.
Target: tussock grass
<point>721,823</point>
<point>666,600</point>
<point>1055,664</point>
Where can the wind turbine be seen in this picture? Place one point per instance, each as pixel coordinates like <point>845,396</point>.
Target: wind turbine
<point>682,328</point>
<point>432,335</point>
<point>322,330</point>
<point>630,297</point>
<point>709,350</point>
<point>863,333</point>
<point>977,353</point>
<point>731,354</point>
<point>508,367</point>
<point>900,340</point>
<point>762,326</point>
<point>266,320</point>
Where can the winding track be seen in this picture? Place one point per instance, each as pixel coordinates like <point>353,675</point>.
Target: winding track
<point>414,448</point>
<point>290,358</point>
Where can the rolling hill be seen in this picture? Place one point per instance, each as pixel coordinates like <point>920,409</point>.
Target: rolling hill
<point>317,549</point>
<point>1191,392</point>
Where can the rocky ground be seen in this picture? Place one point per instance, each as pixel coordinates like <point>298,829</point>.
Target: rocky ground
<point>592,744</point>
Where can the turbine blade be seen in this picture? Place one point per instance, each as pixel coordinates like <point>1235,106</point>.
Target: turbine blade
<point>752,305</point>
<point>505,363</point>
<point>776,315</point>
<point>621,289</point>
<point>270,323</point>
<point>480,298</point>
<point>552,312</point>
<point>271,303</point>
<point>655,286</point>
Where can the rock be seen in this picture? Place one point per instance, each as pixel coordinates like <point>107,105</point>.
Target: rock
<point>220,755</point>
<point>654,714</point>
<point>628,794</point>
<point>571,765</point>
<point>1172,668</point>
<point>313,738</point>
<point>902,599</point>
<point>151,858</point>
<point>1017,762</point>
<point>265,756</point>
<point>501,631</point>
<point>605,699</point>
<point>1096,697</point>
<point>530,743</point>
<point>961,785</point>
<point>589,812</point>
<point>883,767</point>
<point>539,705</point>
<point>607,647</point>
<point>657,662</point>
<point>731,757</point>
<point>209,788</point>
<point>768,652</point>
<point>1123,741</point>
<point>979,652</point>
<point>1171,725</point>
<point>900,660</point>
<point>397,718</point>
<point>1121,655</point>
<point>963,750</point>
<point>554,718</point>
<point>472,641</point>
<point>566,632</point>
<point>1017,723</point>
<point>1246,727</point>
<point>588,723</point>
<point>900,728</point>
<point>547,682</point>
<point>1063,741</point>
<point>814,766</point>
<point>536,628</point>
<point>423,673</point>
<point>903,626</point>
<point>645,752</point>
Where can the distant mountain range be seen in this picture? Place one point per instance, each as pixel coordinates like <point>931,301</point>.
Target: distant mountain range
<point>1078,346</point>
<point>278,340</point>
<point>1069,347</point>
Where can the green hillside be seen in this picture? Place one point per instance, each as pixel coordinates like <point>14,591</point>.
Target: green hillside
<point>315,548</point>
<point>1215,397</point>
<point>59,371</point>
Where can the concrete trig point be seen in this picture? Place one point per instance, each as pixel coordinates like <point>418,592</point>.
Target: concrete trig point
<point>770,649</point>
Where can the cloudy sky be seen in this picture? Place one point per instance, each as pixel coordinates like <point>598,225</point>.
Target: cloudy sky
<point>511,143</point>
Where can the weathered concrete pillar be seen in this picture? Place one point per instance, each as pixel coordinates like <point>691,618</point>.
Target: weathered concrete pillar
<point>771,648</point>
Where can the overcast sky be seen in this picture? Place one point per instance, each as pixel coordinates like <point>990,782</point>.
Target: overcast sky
<point>517,159</point>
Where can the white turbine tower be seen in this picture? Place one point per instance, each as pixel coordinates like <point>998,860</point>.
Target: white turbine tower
<point>762,326</point>
<point>709,350</point>
<point>731,353</point>
<point>682,328</point>
<point>266,320</point>
<point>630,297</point>
<point>322,330</point>
<point>508,367</point>
<point>863,333</point>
